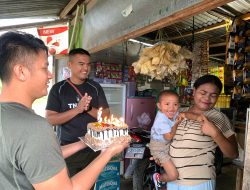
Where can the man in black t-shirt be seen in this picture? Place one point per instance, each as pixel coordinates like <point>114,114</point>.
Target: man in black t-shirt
<point>65,108</point>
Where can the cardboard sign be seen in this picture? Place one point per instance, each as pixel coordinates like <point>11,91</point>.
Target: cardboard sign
<point>55,38</point>
<point>108,184</point>
<point>112,169</point>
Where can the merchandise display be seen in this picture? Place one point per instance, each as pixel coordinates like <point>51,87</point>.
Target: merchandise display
<point>162,60</point>
<point>238,55</point>
<point>200,59</point>
<point>111,72</point>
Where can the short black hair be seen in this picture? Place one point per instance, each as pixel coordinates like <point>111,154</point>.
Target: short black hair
<point>79,51</point>
<point>211,79</point>
<point>167,93</point>
<point>18,47</point>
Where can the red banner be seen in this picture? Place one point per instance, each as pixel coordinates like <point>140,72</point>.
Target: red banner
<point>55,38</point>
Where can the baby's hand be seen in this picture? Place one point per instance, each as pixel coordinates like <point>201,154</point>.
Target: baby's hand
<point>201,118</point>
<point>180,117</point>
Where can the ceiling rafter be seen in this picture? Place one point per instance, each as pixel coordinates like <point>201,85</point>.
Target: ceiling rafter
<point>201,30</point>
<point>208,28</point>
<point>68,8</point>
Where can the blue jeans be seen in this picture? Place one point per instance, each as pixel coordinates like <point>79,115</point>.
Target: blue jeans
<point>209,185</point>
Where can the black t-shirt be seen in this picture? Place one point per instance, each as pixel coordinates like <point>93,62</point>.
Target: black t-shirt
<point>63,97</point>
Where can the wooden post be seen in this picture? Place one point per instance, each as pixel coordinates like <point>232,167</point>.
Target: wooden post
<point>239,179</point>
<point>246,183</point>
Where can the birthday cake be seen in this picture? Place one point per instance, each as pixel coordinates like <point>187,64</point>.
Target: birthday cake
<point>105,132</point>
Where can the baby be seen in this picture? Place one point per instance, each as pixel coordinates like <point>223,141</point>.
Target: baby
<point>162,132</point>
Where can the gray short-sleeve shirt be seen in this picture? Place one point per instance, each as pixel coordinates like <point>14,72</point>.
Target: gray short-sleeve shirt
<point>29,150</point>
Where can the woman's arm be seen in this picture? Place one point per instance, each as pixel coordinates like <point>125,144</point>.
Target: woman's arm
<point>228,145</point>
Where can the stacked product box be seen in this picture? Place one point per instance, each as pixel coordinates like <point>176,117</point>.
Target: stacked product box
<point>128,73</point>
<point>109,179</point>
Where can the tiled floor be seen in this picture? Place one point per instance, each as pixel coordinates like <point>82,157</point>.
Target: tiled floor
<point>225,181</point>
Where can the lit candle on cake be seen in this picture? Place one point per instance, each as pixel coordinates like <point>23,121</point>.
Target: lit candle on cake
<point>122,121</point>
<point>105,119</point>
<point>99,115</point>
<point>112,119</point>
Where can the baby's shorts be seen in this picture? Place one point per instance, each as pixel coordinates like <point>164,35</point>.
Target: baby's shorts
<point>159,150</point>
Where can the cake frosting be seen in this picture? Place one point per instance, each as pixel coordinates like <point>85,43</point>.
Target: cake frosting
<point>103,133</point>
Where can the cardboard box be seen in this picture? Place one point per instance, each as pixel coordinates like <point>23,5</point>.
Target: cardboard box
<point>108,184</point>
<point>117,157</point>
<point>111,170</point>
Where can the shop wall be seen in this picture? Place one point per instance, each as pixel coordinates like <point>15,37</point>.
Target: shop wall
<point>111,19</point>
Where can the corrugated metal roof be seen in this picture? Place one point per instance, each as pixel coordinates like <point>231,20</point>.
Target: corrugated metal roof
<point>31,8</point>
<point>242,6</point>
<point>179,33</point>
<point>209,25</point>
<point>182,32</point>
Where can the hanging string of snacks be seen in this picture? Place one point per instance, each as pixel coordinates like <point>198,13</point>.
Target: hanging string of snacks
<point>161,60</point>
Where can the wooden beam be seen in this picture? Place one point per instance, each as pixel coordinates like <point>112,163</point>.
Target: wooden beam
<point>239,179</point>
<point>86,2</point>
<point>30,25</point>
<point>217,59</point>
<point>245,16</point>
<point>68,8</point>
<point>90,4</point>
<point>217,44</point>
<point>203,6</point>
<point>202,30</point>
<point>217,54</point>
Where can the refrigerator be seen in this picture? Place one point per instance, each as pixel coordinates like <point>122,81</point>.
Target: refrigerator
<point>140,112</point>
<point>116,97</point>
